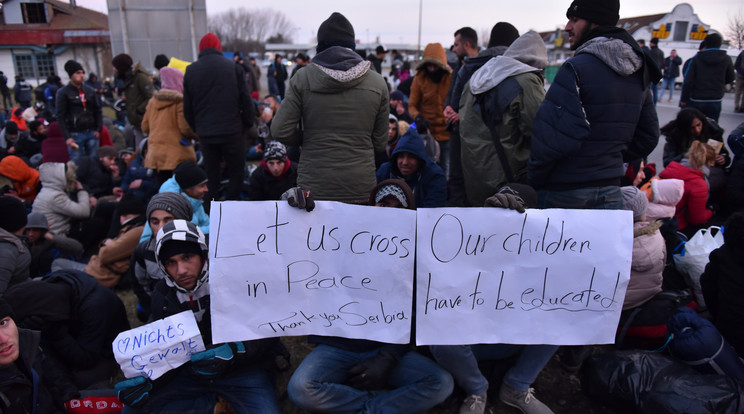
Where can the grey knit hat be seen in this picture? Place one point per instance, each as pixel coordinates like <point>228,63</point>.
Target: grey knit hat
<point>635,200</point>
<point>275,150</point>
<point>174,203</point>
<point>37,220</point>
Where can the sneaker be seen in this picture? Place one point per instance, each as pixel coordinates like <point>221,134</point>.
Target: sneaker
<point>524,401</point>
<point>670,100</point>
<point>473,404</point>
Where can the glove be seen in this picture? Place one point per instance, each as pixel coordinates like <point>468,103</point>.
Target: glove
<point>134,392</point>
<point>510,201</point>
<point>297,197</point>
<point>215,361</point>
<point>372,374</point>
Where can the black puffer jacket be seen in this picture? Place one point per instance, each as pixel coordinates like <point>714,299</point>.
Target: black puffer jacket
<point>216,103</point>
<point>707,75</point>
<point>723,287</point>
<point>73,115</point>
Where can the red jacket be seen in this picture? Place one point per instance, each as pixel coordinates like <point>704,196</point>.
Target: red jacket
<point>691,210</point>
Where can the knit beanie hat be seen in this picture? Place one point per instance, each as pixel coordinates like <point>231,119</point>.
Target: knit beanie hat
<point>12,214</point>
<point>397,95</point>
<point>173,203</point>
<point>713,41</point>
<point>174,247</point>
<point>37,220</point>
<point>335,31</point>
<point>11,128</point>
<point>393,190</point>
<point>601,12</point>
<point>503,34</point>
<point>122,62</point>
<point>171,79</point>
<point>5,309</point>
<point>71,67</point>
<point>161,61</point>
<point>107,151</point>
<point>188,175</point>
<point>635,200</point>
<point>131,204</point>
<point>275,150</point>
<point>210,41</point>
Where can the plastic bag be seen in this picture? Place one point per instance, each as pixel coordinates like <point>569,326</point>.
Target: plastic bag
<point>691,262</point>
<point>653,383</point>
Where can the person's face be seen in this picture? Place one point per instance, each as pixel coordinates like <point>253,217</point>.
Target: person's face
<point>78,77</point>
<point>395,102</point>
<point>34,235</point>
<point>278,59</point>
<point>673,53</point>
<point>198,191</point>
<point>276,167</point>
<point>459,47</point>
<point>576,29</point>
<point>272,103</point>
<point>431,68</point>
<point>127,157</point>
<point>389,201</point>
<point>184,268</point>
<point>697,127</point>
<point>9,350</point>
<point>407,163</point>
<point>392,129</point>
<point>108,162</point>
<point>41,130</point>
<point>157,220</point>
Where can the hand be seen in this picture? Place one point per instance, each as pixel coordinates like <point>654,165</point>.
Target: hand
<point>510,201</point>
<point>134,392</point>
<point>49,236</point>
<point>215,361</point>
<point>450,115</point>
<point>78,186</point>
<point>115,171</point>
<point>71,143</point>
<point>96,134</point>
<point>135,184</point>
<point>118,192</point>
<point>372,374</point>
<point>11,150</point>
<point>297,197</point>
<point>93,201</point>
<point>266,116</point>
<point>720,159</point>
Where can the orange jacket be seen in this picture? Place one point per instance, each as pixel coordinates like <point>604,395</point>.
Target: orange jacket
<point>25,179</point>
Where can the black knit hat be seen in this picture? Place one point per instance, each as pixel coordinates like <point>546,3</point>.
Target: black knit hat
<point>131,204</point>
<point>174,247</point>
<point>122,62</point>
<point>503,34</point>
<point>11,128</point>
<point>13,215</point>
<point>601,12</point>
<point>5,309</point>
<point>161,61</point>
<point>188,175</point>
<point>335,31</point>
<point>71,67</point>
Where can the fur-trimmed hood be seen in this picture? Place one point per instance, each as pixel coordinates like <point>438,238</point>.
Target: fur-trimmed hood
<point>641,228</point>
<point>434,53</point>
<point>165,98</point>
<point>342,65</point>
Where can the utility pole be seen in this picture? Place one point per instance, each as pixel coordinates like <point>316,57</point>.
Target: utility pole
<point>418,48</point>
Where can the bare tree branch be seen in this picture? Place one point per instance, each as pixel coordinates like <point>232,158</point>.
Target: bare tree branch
<point>736,30</point>
<point>249,29</point>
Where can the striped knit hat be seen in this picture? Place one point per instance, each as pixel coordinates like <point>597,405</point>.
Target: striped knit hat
<point>181,236</point>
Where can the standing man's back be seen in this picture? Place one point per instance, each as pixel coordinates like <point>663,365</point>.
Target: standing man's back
<point>597,111</point>
<point>344,110</point>
<point>706,78</point>
<point>217,107</point>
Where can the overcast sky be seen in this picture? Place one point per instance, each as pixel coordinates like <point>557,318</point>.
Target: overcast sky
<point>396,21</point>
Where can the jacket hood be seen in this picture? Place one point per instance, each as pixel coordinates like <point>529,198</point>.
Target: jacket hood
<point>6,236</point>
<point>16,169</point>
<point>165,98</point>
<point>183,230</point>
<point>682,172</point>
<point>434,53</point>
<point>526,54</point>
<point>615,53</point>
<point>712,57</point>
<point>81,284</point>
<point>410,142</point>
<point>341,69</point>
<point>54,176</point>
<point>642,228</point>
<point>668,191</point>
<point>171,185</point>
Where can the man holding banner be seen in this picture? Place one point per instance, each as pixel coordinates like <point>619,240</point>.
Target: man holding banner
<point>234,370</point>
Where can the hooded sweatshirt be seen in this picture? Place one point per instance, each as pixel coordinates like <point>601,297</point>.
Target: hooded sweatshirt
<point>707,76</point>
<point>57,200</point>
<point>344,108</point>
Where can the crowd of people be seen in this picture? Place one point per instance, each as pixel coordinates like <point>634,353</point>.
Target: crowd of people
<point>92,205</point>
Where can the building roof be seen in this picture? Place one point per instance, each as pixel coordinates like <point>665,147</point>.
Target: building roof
<point>68,25</point>
<point>631,24</point>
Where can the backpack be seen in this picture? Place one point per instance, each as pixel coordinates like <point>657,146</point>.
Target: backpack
<point>645,327</point>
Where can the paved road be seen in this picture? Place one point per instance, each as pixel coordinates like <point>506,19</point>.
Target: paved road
<point>667,111</point>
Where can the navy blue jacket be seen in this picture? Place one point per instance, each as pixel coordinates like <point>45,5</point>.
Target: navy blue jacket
<point>429,183</point>
<point>592,118</point>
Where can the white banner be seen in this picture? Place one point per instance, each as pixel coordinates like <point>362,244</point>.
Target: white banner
<point>152,350</point>
<point>340,270</point>
<point>490,275</point>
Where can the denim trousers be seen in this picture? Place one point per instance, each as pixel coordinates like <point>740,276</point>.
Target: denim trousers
<point>590,198</point>
<point>667,83</point>
<point>416,384</point>
<point>87,145</point>
<point>462,362</point>
<point>711,109</point>
<point>247,391</point>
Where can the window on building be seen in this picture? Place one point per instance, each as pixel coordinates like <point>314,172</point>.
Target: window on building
<point>34,13</point>
<point>680,31</point>
<point>34,66</point>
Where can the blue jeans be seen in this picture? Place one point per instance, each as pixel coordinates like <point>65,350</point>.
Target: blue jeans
<point>415,385</point>
<point>87,143</point>
<point>711,109</point>
<point>668,83</point>
<point>462,362</point>
<point>590,198</point>
<point>655,90</point>
<point>247,391</point>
